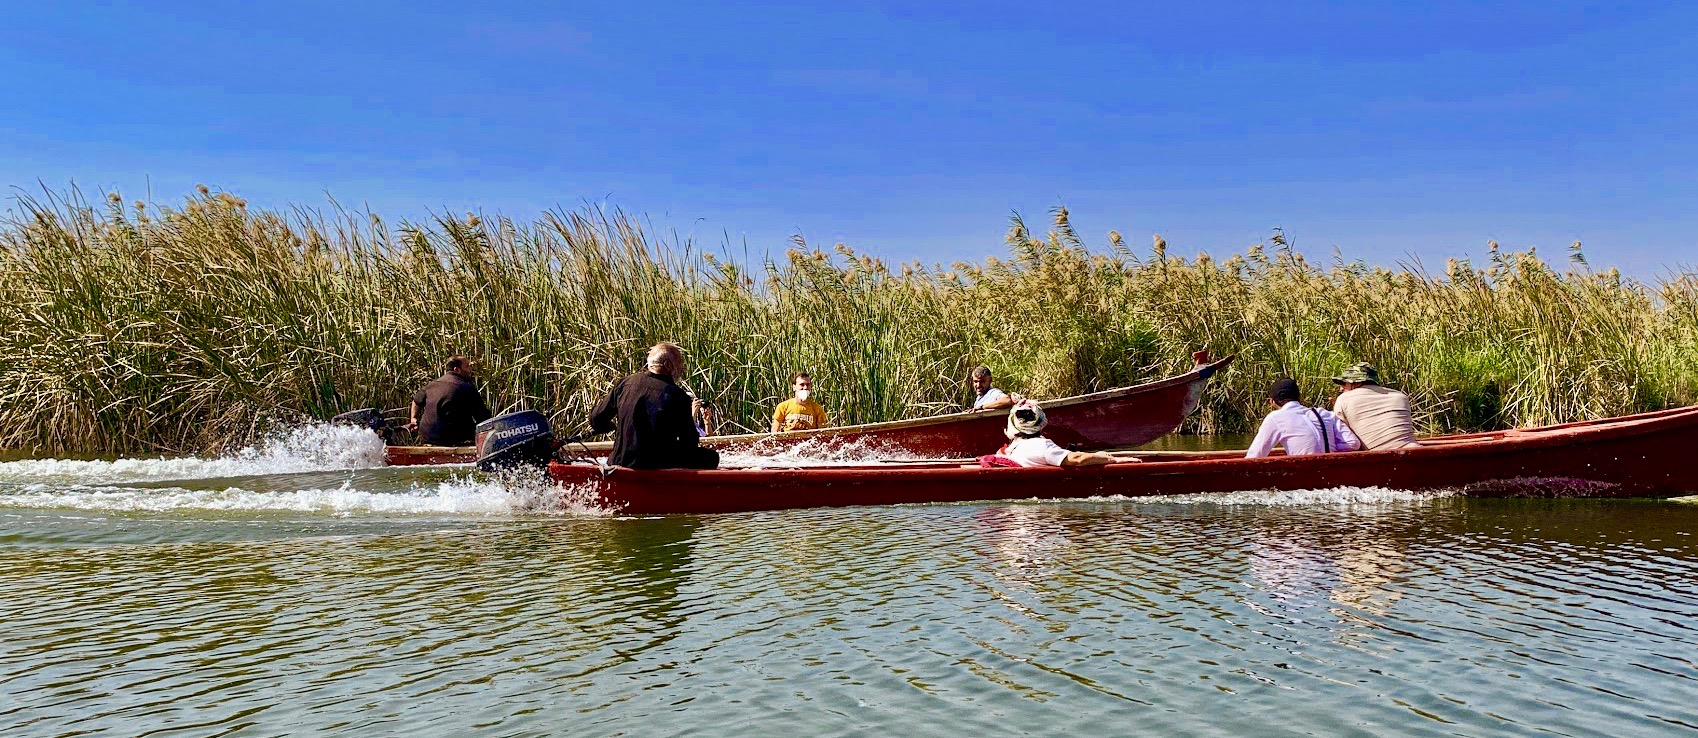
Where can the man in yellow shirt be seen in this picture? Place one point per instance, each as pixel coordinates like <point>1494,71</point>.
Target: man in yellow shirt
<point>798,412</point>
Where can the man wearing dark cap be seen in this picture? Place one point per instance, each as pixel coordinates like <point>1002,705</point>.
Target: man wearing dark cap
<point>1378,415</point>
<point>1301,430</point>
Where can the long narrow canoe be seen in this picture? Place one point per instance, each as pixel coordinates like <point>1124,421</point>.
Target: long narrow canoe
<point>1645,455</point>
<point>1114,418</point>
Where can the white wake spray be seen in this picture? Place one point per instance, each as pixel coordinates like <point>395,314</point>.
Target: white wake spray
<point>466,494</point>
<point>314,447</point>
<point>814,452</point>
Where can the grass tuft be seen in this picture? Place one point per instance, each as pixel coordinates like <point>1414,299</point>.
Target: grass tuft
<point>187,328</point>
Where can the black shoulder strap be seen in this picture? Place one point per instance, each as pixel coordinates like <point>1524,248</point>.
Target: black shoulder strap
<point>1326,440</point>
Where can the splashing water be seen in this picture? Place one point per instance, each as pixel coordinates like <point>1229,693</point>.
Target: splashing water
<point>468,494</point>
<point>447,497</point>
<point>815,452</point>
<point>319,468</point>
<point>314,447</point>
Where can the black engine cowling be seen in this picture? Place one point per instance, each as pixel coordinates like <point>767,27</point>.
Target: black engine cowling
<point>515,439</point>
<point>367,417</point>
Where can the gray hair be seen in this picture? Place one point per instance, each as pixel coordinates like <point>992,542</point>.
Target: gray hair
<point>980,372</point>
<point>665,358</point>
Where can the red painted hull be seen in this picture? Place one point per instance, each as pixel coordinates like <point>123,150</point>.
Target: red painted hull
<point>1115,418</point>
<point>1638,455</point>
<point>416,455</point>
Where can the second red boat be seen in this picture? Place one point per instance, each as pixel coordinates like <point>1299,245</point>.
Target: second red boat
<point>1116,418</point>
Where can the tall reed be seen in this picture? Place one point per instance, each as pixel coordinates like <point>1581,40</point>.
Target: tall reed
<point>143,328</point>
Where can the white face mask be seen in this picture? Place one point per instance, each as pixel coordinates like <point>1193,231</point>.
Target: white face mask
<point>802,395</point>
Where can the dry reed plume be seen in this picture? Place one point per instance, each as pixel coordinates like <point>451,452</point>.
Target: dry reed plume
<point>149,328</point>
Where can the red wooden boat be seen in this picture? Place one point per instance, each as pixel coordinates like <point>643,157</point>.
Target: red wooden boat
<point>1116,418</point>
<point>1636,455</point>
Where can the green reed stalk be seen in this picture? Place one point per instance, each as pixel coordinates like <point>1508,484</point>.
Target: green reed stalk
<point>141,328</point>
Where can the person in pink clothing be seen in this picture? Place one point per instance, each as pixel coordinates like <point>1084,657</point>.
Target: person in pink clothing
<point>1301,430</point>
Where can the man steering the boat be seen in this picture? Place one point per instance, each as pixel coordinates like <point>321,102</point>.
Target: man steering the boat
<point>1301,430</point>
<point>446,412</point>
<point>1028,447</point>
<point>652,416</point>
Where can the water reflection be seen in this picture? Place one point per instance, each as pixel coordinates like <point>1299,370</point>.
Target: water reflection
<point>1027,540</point>
<point>1297,566</point>
<point>1088,617</point>
<point>645,561</point>
<point>1368,567</point>
<point>1351,561</point>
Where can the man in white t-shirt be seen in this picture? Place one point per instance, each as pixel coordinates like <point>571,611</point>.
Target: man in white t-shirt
<point>1027,446</point>
<point>987,397</point>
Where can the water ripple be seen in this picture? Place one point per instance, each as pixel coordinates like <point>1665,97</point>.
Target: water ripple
<point>1409,614</point>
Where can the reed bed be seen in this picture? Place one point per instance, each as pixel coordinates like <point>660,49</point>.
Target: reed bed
<point>139,328</point>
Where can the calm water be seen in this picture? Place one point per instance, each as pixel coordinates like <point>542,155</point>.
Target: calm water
<point>281,593</point>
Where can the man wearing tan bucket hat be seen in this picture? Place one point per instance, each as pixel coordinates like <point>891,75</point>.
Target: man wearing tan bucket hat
<point>1379,415</point>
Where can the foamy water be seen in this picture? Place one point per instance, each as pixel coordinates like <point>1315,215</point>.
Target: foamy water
<point>285,473</point>
<point>315,447</point>
<point>457,496</point>
<point>815,452</point>
<point>472,494</point>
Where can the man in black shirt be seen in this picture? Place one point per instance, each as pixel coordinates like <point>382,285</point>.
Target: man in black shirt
<point>447,411</point>
<point>652,415</point>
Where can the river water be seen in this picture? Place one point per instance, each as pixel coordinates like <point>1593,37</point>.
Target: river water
<point>296,590</point>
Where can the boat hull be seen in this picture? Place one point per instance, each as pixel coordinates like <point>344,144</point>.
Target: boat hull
<point>1117,418</point>
<point>1643,455</point>
<point>418,455</point>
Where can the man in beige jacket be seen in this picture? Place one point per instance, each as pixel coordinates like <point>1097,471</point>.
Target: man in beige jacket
<point>1379,416</point>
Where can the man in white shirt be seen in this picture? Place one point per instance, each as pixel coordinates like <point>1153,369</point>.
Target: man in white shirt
<point>1301,430</point>
<point>1027,446</point>
<point>988,397</point>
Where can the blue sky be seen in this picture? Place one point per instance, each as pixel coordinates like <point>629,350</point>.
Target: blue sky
<point>1390,131</point>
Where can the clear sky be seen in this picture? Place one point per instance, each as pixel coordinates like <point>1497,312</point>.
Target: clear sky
<point>910,130</point>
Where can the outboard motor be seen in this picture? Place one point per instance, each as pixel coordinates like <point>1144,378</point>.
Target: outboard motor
<point>366,417</point>
<point>515,439</point>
